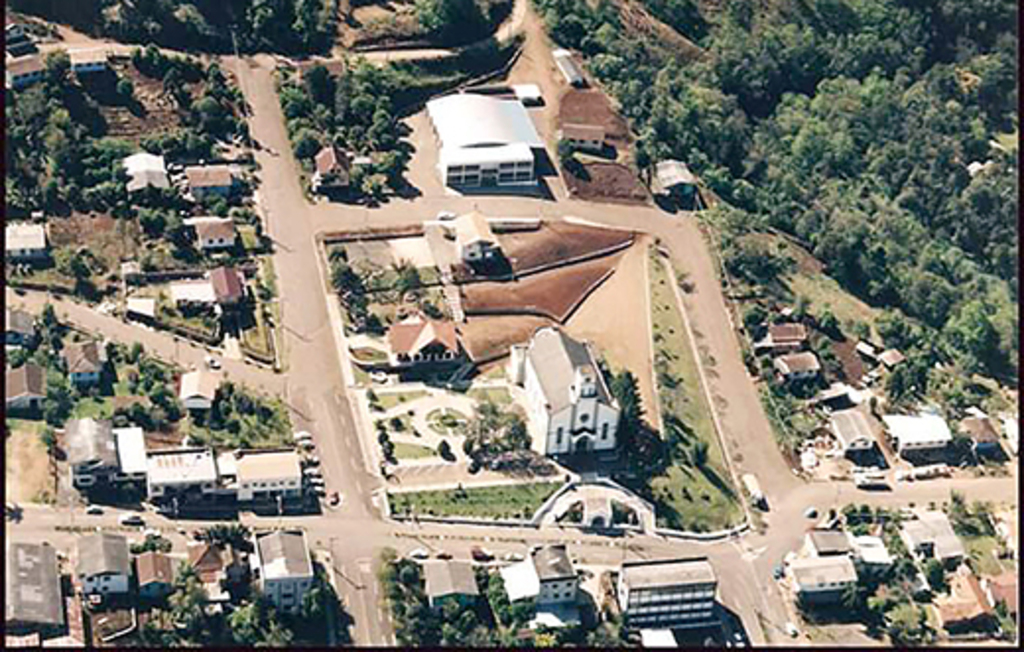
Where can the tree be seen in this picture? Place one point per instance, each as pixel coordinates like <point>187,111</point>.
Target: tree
<point>935,574</point>
<point>125,89</point>
<point>445,451</point>
<point>907,625</point>
<point>700,453</point>
<point>307,143</point>
<point>49,439</point>
<point>59,401</point>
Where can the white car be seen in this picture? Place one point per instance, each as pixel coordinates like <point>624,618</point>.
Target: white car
<point>513,556</point>
<point>93,510</point>
<point>151,532</point>
<point>318,489</point>
<point>313,460</point>
<point>444,216</point>
<point>130,519</point>
<point>315,480</point>
<point>212,362</point>
<point>792,630</point>
<point>312,471</point>
<point>302,436</point>
<point>419,553</point>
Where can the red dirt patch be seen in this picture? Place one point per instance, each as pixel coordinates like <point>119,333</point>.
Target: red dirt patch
<point>853,367</point>
<point>558,242</point>
<point>487,338</point>
<point>592,107</point>
<point>610,182</point>
<point>108,239</point>
<point>553,294</point>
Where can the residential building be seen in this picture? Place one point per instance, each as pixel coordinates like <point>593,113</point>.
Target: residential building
<point>547,576</point>
<point>91,452</point>
<point>131,455</point>
<point>983,434</point>
<point>142,309</point>
<point>283,568</point>
<point>186,474</point>
<point>84,362</point>
<point>586,137</point>
<point>447,580</point>
<point>794,367</point>
<point>228,286</point>
<point>33,599</point>
<point>146,170</point>
<point>213,233</point>
<point>569,407</point>
<point>484,140</point>
<point>570,71</point>
<point>930,535</point>
<point>18,42</point>
<point>268,474</point>
<point>418,341</point>
<point>217,569</point>
<point>783,338</point>
<point>209,181</point>
<point>25,388</point>
<point>667,593</point>
<point>23,71</point>
<point>1006,529</point>
<point>966,607</point>
<point>19,327</point>
<point>890,358</point>
<point>155,573</point>
<point>333,170</point>
<point>1002,589</point>
<point>198,389</point>
<point>870,556</point>
<point>675,179</point>
<point>196,293</point>
<point>826,543</point>
<point>474,239</point>
<point>104,566</point>
<point>84,62</point>
<point>921,433</point>
<point>25,242</point>
<point>852,431</point>
<point>821,580</point>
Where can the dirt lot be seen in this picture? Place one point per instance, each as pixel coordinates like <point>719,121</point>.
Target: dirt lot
<point>853,366</point>
<point>109,239</point>
<point>380,24</point>
<point>610,182</point>
<point>554,294</point>
<point>612,318</point>
<point>557,241</point>
<point>27,477</point>
<point>592,107</point>
<point>489,337</point>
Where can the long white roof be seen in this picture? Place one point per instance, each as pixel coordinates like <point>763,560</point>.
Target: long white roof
<point>24,235</point>
<point>470,120</point>
<point>131,450</point>
<point>194,291</point>
<point>521,580</point>
<point>923,428</point>
<point>514,153</point>
<point>146,169</point>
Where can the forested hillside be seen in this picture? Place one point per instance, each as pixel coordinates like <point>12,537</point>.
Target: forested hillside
<point>849,124</point>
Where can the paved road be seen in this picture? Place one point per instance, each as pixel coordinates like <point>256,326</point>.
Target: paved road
<point>161,344</point>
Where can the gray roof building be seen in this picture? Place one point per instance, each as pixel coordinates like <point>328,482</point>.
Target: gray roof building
<point>103,553</point>
<point>931,535</point>
<point>822,573</point>
<point>825,543</point>
<point>32,591</point>
<point>449,578</point>
<point>667,572</point>
<point>20,322</point>
<point>673,174</point>
<point>553,563</point>
<point>90,441</point>
<point>28,380</point>
<point>283,554</point>
<point>555,358</point>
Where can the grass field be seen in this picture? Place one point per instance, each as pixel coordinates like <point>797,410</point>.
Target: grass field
<point>686,497</point>
<point>445,421</point>
<point>388,400</point>
<point>983,551</point>
<point>496,395</point>
<point>93,408</point>
<point>405,451</point>
<point>504,501</point>
<point>822,291</point>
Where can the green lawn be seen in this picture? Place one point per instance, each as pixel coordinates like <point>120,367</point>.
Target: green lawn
<point>368,354</point>
<point>92,408</point>
<point>983,551</point>
<point>1008,140</point>
<point>505,501</point>
<point>444,421</point>
<point>686,497</point>
<point>497,395</point>
<point>257,337</point>
<point>388,400</point>
<point>821,291</point>
<point>405,451</point>
<point>26,425</point>
<point>249,239</point>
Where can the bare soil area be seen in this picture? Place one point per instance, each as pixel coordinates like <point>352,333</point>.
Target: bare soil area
<point>556,242</point>
<point>487,338</point>
<point>853,367</point>
<point>613,318</point>
<point>106,238</point>
<point>27,476</point>
<point>592,107</point>
<point>610,182</point>
<point>553,294</point>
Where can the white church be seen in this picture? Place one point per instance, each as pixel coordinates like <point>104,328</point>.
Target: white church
<point>570,409</point>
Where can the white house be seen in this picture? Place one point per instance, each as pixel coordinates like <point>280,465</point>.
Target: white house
<point>547,576</point>
<point>198,389</point>
<point>930,536</point>
<point>25,242</point>
<point>484,140</point>
<point>196,292</point>
<point>667,593</point>
<point>91,452</point>
<point>213,233</point>
<point>282,567</point>
<point>870,555</point>
<point>89,61</point>
<point>585,137</point>
<point>146,170</point>
<point>188,474</point>
<point>918,433</point>
<point>131,454</point>
<point>822,579</point>
<point>473,237</point>
<point>103,564</point>
<point>569,406</point>
<point>570,71</point>
<point>797,366</point>
<point>23,71</point>
<point>852,431</point>
<point>267,474</point>
<point>449,580</point>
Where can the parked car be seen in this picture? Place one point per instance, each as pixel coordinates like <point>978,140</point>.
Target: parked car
<point>334,500</point>
<point>312,460</point>
<point>302,436</point>
<point>792,630</point>
<point>481,554</point>
<point>131,519</point>
<point>444,216</point>
<point>311,471</point>
<point>513,556</point>
<point>151,532</point>
<point>419,553</point>
<point>315,480</point>
<point>811,512</point>
<point>318,489</point>
<point>777,572</point>
<point>212,362</point>
<point>93,510</point>
<point>443,555</point>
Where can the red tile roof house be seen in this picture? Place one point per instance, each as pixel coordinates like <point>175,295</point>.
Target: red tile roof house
<point>84,362</point>
<point>333,170</point>
<point>1002,588</point>
<point>419,341</point>
<point>214,233</point>
<point>228,286</point>
<point>783,338</point>
<point>797,366</point>
<point>25,388</point>
<point>210,180</point>
<point>966,608</point>
<point>155,573</point>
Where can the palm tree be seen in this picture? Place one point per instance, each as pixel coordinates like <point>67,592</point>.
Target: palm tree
<point>700,453</point>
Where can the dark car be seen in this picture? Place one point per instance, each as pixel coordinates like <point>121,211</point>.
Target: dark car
<point>479,554</point>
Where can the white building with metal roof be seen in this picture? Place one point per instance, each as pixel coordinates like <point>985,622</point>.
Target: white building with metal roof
<point>131,453</point>
<point>146,170</point>
<point>24,241</point>
<point>282,567</point>
<point>187,473</point>
<point>673,593</point>
<point>920,432</point>
<point>484,140</point>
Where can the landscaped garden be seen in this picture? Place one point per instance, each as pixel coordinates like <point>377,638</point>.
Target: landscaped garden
<point>445,421</point>
<point>512,501</point>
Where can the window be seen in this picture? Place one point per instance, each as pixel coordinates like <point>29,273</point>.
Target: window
<point>558,435</point>
<point>604,431</point>
<point>584,418</point>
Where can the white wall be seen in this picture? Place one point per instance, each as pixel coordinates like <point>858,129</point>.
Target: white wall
<point>104,584</point>
<point>286,593</point>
